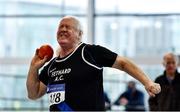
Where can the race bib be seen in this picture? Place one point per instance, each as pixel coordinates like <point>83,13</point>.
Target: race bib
<point>56,93</point>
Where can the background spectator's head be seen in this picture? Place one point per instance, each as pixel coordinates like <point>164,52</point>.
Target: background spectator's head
<point>170,62</point>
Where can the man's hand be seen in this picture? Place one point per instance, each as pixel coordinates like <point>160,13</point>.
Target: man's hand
<point>153,88</point>
<point>123,101</point>
<point>37,62</point>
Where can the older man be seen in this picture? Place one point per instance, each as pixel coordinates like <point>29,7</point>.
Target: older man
<point>169,98</point>
<point>73,79</point>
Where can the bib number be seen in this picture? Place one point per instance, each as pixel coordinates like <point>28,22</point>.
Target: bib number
<point>56,97</point>
<point>56,94</point>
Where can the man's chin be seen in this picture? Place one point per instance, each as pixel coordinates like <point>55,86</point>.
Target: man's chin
<point>171,71</point>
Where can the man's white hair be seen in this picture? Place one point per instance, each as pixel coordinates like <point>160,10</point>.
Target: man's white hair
<point>78,23</point>
<point>172,55</point>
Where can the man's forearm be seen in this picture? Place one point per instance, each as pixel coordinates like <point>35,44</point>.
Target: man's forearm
<point>136,72</point>
<point>33,83</point>
<point>126,65</point>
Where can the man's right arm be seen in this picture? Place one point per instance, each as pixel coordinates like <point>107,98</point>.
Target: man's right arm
<point>35,87</point>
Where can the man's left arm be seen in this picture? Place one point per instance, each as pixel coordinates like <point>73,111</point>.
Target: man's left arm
<point>129,67</point>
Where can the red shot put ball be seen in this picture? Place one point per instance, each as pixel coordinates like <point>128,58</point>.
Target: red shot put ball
<point>46,50</point>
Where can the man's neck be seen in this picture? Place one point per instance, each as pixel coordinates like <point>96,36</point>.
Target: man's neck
<point>64,51</point>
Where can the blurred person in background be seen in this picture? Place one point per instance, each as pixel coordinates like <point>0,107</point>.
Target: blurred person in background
<point>74,79</point>
<point>169,98</point>
<point>132,98</point>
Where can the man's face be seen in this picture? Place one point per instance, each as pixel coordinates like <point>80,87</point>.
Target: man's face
<point>131,85</point>
<point>68,33</point>
<point>170,65</point>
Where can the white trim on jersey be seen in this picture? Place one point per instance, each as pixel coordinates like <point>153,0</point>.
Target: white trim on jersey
<point>89,62</point>
<point>50,67</point>
<point>70,54</point>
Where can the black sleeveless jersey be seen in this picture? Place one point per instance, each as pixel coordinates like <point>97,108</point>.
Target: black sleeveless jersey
<point>75,82</point>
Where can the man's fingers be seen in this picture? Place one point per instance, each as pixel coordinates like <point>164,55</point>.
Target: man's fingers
<point>151,94</point>
<point>155,88</point>
<point>37,51</point>
<point>45,58</point>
